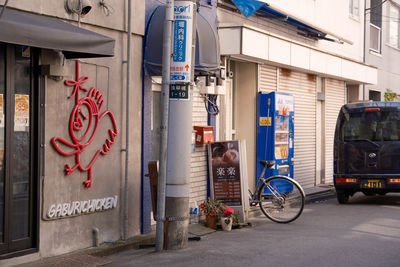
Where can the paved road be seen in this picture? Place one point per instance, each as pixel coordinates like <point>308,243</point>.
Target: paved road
<point>365,232</point>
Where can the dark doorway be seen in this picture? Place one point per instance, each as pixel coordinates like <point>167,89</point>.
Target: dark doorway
<point>18,87</point>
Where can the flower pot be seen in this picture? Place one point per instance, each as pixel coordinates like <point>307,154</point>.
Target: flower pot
<point>226,226</point>
<point>211,222</point>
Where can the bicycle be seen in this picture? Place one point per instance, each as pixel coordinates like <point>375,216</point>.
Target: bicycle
<point>281,198</point>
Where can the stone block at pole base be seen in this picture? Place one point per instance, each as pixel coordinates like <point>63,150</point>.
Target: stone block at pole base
<point>177,224</point>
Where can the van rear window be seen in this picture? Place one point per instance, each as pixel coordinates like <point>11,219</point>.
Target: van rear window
<point>374,126</point>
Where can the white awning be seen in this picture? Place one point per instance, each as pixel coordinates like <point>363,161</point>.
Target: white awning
<point>252,44</point>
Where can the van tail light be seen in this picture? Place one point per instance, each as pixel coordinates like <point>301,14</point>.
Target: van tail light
<point>347,180</point>
<point>394,180</point>
<point>372,109</point>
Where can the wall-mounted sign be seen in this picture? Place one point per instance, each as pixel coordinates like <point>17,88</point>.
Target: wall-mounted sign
<point>265,121</point>
<point>83,124</point>
<point>182,42</point>
<point>74,208</point>
<point>179,91</point>
<point>26,51</point>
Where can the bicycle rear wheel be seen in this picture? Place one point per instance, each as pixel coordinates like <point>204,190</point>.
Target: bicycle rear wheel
<point>281,199</point>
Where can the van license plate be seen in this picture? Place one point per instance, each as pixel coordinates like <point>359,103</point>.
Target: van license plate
<point>372,184</point>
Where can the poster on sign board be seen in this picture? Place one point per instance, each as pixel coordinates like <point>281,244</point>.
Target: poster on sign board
<point>228,179</point>
<point>21,116</point>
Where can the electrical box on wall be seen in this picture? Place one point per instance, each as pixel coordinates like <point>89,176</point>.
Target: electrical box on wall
<point>204,135</point>
<point>211,85</point>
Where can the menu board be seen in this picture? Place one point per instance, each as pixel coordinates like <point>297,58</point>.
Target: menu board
<point>225,170</point>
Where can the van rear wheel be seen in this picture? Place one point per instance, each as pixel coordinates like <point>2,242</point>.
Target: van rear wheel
<point>342,196</point>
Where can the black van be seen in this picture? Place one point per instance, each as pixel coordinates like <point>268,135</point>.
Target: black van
<point>367,149</point>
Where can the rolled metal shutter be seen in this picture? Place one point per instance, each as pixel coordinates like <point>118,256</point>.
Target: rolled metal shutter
<point>303,87</point>
<point>267,78</point>
<point>335,97</point>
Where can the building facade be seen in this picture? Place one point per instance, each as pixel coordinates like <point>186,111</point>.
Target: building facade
<point>382,47</point>
<point>313,50</point>
<point>70,147</point>
<point>81,120</point>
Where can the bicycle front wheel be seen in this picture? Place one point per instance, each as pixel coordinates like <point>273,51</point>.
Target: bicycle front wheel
<point>281,199</point>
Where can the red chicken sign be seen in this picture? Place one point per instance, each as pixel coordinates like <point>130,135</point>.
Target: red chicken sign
<point>83,125</point>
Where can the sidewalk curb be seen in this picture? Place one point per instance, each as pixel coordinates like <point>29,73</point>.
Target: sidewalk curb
<point>121,245</point>
<point>321,195</point>
<point>103,250</point>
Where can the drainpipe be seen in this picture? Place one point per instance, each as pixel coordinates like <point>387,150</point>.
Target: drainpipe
<point>43,102</point>
<point>128,76</point>
<point>364,44</point>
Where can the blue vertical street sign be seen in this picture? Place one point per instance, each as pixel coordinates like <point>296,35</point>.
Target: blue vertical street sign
<point>180,29</point>
<point>181,63</point>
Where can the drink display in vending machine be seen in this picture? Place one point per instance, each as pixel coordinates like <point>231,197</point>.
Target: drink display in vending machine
<point>275,132</point>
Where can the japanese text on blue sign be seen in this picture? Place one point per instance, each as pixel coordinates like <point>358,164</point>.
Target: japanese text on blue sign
<point>182,42</point>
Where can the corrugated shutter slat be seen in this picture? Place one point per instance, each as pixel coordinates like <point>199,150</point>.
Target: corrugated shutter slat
<point>335,97</point>
<point>303,87</point>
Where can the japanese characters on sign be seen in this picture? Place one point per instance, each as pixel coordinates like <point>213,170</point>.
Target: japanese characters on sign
<point>182,42</point>
<point>179,91</point>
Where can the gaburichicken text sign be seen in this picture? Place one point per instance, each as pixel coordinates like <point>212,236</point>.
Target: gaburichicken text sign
<point>75,208</point>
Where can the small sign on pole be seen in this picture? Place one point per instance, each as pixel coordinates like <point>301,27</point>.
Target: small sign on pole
<point>179,91</point>
<point>182,42</point>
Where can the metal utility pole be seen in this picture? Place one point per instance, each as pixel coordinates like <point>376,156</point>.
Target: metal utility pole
<point>166,72</point>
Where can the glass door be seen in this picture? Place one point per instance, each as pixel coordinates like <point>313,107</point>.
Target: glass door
<point>16,149</point>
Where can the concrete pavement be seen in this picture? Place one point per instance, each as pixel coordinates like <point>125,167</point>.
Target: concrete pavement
<point>365,232</point>
<point>98,256</point>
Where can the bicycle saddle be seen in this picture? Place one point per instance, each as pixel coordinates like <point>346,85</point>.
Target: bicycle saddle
<point>268,163</point>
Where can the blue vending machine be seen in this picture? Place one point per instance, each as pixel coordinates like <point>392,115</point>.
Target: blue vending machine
<point>275,132</point>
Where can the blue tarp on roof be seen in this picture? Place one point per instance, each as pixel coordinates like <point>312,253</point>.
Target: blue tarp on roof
<point>249,7</point>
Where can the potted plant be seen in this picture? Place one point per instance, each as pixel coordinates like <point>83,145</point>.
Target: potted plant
<point>211,209</point>
<point>227,219</point>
